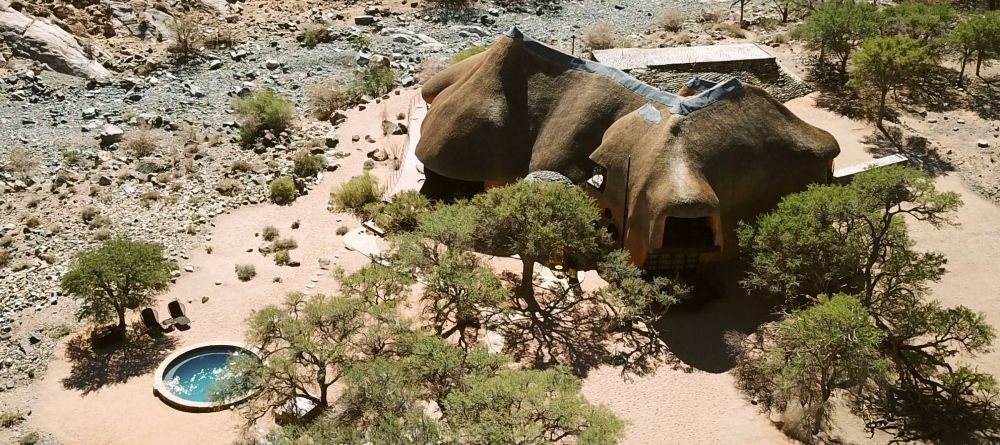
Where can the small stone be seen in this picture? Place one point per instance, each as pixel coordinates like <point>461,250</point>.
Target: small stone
<point>189,267</point>
<point>983,143</point>
<point>272,64</point>
<point>215,64</point>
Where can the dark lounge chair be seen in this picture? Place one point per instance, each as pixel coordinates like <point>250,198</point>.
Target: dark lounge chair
<point>176,309</point>
<point>152,321</point>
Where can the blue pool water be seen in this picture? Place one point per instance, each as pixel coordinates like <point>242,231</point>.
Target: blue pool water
<point>192,375</point>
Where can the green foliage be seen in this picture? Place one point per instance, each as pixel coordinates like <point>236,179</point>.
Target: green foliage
<point>264,110</point>
<point>308,165</point>
<point>837,28</point>
<point>117,275</point>
<point>375,81</point>
<point>807,357</point>
<point>245,272</point>
<point>342,230</point>
<point>853,239</point>
<point>528,406</point>
<point>916,20</point>
<point>282,190</point>
<point>468,52</point>
<point>401,213</point>
<point>884,64</point>
<point>453,4</point>
<point>29,439</point>
<point>10,418</point>
<point>538,221</point>
<point>977,36</point>
<point>282,258</point>
<point>375,284</point>
<point>360,41</point>
<point>356,194</point>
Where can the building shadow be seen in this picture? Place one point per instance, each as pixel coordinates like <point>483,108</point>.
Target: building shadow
<point>93,369</point>
<point>695,330</point>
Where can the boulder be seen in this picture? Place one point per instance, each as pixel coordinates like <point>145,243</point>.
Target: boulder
<point>364,20</point>
<point>110,135</point>
<point>42,41</point>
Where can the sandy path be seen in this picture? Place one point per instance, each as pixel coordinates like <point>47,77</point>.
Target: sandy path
<point>128,412</point>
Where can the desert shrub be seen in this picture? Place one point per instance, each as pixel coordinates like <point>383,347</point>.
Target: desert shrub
<point>72,157</point>
<point>368,165</point>
<point>353,195</point>
<point>780,38</point>
<point>99,221</point>
<point>360,41</point>
<point>10,418</point>
<point>21,162</point>
<point>671,19</point>
<point>373,82</point>
<point>287,243</point>
<point>400,214</point>
<point>187,33</point>
<point>241,166</point>
<point>314,34</point>
<point>264,110</point>
<point>269,233</point>
<point>282,258</point>
<point>710,16</point>
<point>296,224</point>
<point>328,97</point>
<point>468,52</point>
<point>308,165</point>
<point>342,230</point>
<point>282,190</point>
<point>4,257</point>
<point>6,241</point>
<point>732,30</point>
<point>32,221</point>
<point>141,142</point>
<point>682,38</point>
<point>29,439</point>
<point>60,331</point>
<point>89,213</point>
<point>602,36</point>
<point>452,4</point>
<point>245,272</point>
<point>102,235</point>
<point>147,198</point>
<point>228,186</point>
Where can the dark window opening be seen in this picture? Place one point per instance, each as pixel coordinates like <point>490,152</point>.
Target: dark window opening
<point>688,233</point>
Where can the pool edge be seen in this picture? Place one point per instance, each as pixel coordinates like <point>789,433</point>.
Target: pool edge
<point>163,393</point>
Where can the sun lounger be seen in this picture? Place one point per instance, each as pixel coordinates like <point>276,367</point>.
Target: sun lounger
<point>153,323</point>
<point>176,309</point>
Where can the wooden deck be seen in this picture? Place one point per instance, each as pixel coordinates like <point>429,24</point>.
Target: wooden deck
<point>664,58</point>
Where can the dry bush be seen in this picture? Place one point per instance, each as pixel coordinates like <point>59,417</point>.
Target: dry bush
<point>219,39</point>
<point>710,16</point>
<point>141,142</point>
<point>671,19</point>
<point>328,97</point>
<point>780,38</point>
<point>599,36</point>
<point>245,272</point>
<point>429,67</point>
<point>187,34</point>
<point>682,38</point>
<point>313,34</point>
<point>22,162</point>
<point>731,30</point>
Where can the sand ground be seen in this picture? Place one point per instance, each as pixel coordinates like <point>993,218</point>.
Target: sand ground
<point>693,403</point>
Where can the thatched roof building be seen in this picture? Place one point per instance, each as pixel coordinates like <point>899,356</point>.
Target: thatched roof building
<point>701,160</point>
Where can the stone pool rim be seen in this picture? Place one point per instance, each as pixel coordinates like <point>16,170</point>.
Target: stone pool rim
<point>161,390</point>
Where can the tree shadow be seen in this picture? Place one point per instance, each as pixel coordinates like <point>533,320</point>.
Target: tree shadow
<point>936,90</point>
<point>568,331</point>
<point>916,148</point>
<point>578,330</point>
<point>93,369</point>
<point>695,330</point>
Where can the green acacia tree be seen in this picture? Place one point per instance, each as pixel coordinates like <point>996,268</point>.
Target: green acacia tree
<point>919,21</point>
<point>805,358</point>
<point>537,221</point>
<point>883,64</point>
<point>853,239</point>
<point>305,346</point>
<point>837,28</point>
<point>116,276</point>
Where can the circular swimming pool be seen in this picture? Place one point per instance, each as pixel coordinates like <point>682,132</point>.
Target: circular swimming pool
<point>186,378</point>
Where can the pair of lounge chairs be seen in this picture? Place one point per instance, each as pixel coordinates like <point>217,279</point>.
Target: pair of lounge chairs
<point>177,318</point>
